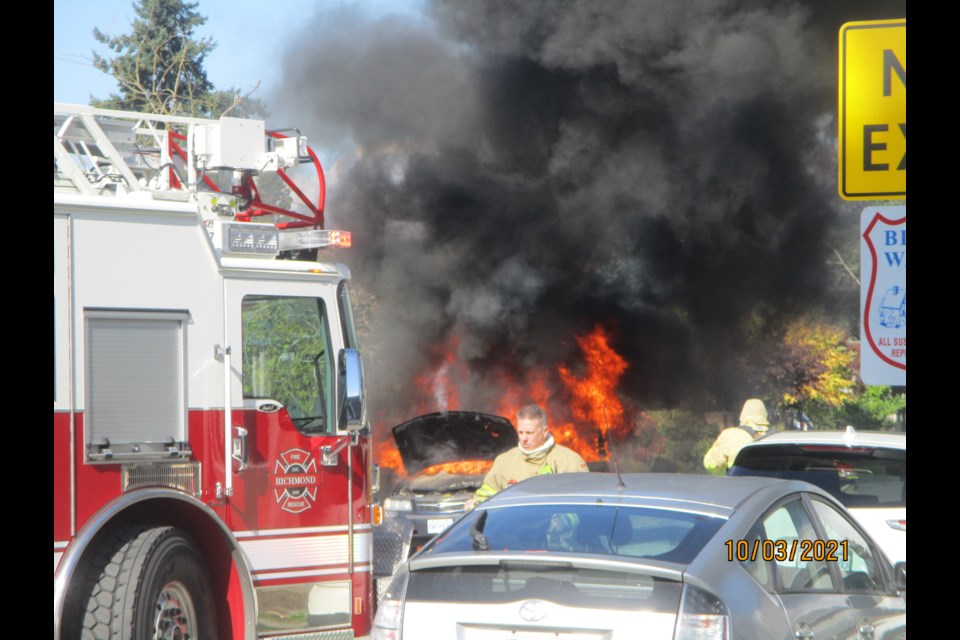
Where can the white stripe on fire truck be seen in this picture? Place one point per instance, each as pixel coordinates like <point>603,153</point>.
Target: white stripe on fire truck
<point>258,533</point>
<point>286,575</point>
<point>56,561</point>
<point>60,544</point>
<point>270,573</point>
<point>312,551</point>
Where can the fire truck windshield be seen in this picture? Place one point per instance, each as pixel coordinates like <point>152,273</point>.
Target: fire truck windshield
<point>286,349</point>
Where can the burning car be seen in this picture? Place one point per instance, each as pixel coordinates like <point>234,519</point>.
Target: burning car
<point>446,456</point>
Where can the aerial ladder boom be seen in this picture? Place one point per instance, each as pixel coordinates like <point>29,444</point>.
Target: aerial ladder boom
<point>219,164</point>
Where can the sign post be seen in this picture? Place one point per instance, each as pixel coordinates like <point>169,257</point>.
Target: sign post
<point>873,110</point>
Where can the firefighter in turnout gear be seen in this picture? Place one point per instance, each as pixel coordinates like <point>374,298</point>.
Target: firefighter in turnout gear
<point>753,424</point>
<point>537,454</point>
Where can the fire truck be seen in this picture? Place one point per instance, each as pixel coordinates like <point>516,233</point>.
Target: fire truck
<point>213,474</point>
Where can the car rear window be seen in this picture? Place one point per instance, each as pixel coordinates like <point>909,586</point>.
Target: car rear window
<point>860,477</point>
<point>630,532</point>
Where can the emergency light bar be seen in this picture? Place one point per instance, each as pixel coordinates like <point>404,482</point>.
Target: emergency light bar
<point>325,238</point>
<point>314,239</point>
<point>246,238</point>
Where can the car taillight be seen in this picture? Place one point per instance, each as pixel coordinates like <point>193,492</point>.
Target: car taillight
<point>388,625</point>
<point>703,616</point>
<point>899,525</point>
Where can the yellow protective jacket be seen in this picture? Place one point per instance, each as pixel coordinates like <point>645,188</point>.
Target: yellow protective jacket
<point>513,466</point>
<point>753,422</point>
<point>724,451</point>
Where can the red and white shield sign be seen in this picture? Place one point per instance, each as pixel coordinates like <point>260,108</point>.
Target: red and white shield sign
<point>884,297</point>
<point>295,480</point>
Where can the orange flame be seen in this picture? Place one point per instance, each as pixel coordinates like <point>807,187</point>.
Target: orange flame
<point>585,410</point>
<point>388,456</point>
<point>594,398</point>
<point>462,467</point>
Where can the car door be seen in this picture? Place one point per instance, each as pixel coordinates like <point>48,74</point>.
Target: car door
<point>865,579</point>
<point>294,514</point>
<point>806,585</point>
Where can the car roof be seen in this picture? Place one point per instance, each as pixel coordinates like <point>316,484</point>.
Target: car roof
<point>849,437</point>
<point>711,495</point>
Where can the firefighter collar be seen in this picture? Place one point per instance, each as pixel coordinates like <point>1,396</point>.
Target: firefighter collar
<point>546,446</point>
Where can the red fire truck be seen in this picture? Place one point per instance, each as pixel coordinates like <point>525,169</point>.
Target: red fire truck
<point>212,459</point>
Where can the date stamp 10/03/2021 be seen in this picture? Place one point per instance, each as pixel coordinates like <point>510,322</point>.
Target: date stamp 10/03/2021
<point>786,550</point>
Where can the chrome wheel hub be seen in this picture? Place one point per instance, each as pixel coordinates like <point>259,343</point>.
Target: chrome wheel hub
<point>175,617</point>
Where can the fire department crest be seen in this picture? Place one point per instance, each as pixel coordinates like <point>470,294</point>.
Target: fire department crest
<point>294,480</point>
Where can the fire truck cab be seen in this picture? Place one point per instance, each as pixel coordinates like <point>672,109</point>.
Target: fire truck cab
<point>212,460</point>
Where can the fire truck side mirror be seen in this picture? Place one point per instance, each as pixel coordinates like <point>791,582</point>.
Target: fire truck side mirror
<point>351,403</point>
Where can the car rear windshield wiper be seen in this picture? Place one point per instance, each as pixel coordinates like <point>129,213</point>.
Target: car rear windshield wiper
<point>476,532</point>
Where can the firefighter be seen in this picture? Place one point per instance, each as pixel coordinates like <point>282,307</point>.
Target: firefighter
<point>753,424</point>
<point>537,454</point>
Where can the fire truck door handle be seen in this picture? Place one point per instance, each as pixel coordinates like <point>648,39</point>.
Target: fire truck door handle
<point>240,447</point>
<point>329,455</point>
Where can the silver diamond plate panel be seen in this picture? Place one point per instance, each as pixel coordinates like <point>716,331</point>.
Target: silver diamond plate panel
<point>391,545</point>
<point>382,585</point>
<point>184,476</point>
<point>387,554</point>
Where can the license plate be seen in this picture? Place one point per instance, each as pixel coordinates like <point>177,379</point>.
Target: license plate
<point>436,525</point>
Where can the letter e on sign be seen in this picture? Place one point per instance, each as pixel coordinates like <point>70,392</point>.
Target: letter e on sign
<point>873,110</point>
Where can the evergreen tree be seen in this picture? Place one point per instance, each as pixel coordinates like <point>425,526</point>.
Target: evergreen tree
<point>159,64</point>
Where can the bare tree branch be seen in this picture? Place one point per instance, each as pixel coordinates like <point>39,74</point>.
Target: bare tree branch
<point>238,99</point>
<point>843,263</point>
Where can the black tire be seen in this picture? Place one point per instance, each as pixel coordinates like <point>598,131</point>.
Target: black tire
<point>144,584</point>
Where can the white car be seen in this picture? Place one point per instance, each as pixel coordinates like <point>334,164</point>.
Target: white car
<point>865,470</point>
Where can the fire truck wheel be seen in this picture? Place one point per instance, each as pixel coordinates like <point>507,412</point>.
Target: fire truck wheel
<point>148,583</point>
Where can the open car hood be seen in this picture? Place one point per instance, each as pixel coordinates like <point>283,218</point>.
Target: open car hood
<point>451,436</point>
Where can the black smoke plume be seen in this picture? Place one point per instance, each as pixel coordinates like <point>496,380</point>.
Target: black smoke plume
<point>520,171</point>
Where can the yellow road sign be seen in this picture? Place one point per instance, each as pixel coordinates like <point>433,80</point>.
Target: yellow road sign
<point>873,110</point>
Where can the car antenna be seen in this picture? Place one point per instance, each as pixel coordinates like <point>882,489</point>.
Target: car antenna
<point>616,464</point>
<point>613,452</point>
<point>476,532</point>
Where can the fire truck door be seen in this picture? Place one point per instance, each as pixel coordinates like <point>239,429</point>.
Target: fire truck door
<point>290,512</point>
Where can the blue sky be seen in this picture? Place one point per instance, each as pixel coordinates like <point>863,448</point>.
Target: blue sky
<point>250,36</point>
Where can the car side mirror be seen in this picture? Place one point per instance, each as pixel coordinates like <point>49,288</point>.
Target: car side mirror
<point>900,575</point>
<point>351,403</point>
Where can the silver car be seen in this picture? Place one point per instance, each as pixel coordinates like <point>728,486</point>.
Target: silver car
<point>657,556</point>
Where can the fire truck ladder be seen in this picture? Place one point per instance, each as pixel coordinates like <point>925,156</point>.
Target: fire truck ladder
<point>102,152</point>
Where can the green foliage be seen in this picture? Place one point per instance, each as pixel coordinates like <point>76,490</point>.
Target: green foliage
<point>687,437</point>
<point>872,408</point>
<point>816,365</point>
<point>808,365</point>
<point>823,415</point>
<point>286,356</point>
<point>159,65</point>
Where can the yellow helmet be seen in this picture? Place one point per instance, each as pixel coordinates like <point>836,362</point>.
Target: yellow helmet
<point>754,415</point>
